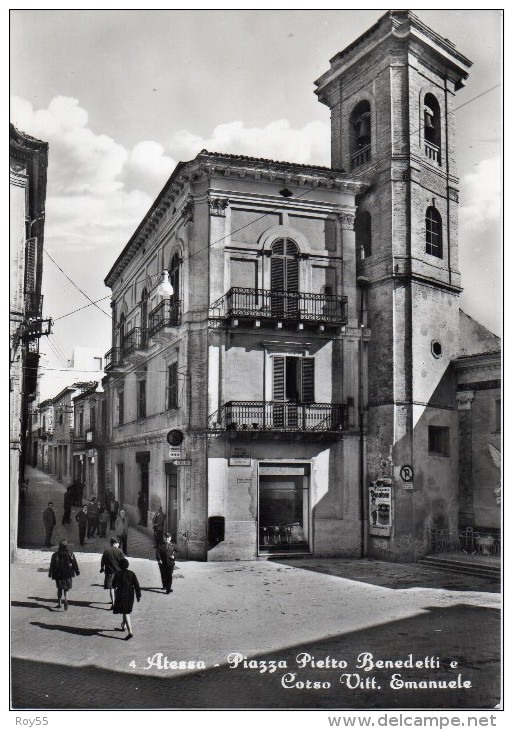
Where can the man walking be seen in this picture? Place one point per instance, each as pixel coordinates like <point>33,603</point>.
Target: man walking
<point>94,526</point>
<point>110,565</point>
<point>166,561</point>
<point>121,528</point>
<point>114,509</point>
<point>82,518</point>
<point>68,500</point>
<point>49,522</point>
<point>158,526</point>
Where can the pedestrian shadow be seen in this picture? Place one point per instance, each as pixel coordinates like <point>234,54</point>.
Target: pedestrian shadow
<point>72,602</point>
<point>152,590</point>
<point>79,630</point>
<point>26,604</point>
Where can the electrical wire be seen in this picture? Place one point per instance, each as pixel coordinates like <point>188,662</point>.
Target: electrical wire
<point>76,285</point>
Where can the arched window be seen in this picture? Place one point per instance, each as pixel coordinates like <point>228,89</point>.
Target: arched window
<point>144,317</point>
<point>432,128</point>
<point>284,277</point>
<point>121,329</point>
<point>363,233</point>
<point>360,134</point>
<point>174,276</point>
<point>434,232</point>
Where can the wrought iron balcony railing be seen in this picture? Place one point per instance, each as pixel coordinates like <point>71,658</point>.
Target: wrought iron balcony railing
<point>360,157</point>
<point>258,416</point>
<point>134,339</point>
<point>281,305</point>
<point>33,304</point>
<point>165,314</point>
<point>432,151</point>
<point>113,358</point>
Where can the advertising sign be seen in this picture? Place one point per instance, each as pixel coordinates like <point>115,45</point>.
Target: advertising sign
<point>380,507</point>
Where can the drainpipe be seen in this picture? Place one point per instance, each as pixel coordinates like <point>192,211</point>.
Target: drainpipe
<point>363,282</point>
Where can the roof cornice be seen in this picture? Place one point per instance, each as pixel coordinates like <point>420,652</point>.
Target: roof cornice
<point>210,164</point>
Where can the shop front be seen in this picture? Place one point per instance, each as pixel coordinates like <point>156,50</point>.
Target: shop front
<point>284,511</point>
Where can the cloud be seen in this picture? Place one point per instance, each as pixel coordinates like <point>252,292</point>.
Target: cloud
<point>277,140</point>
<point>480,203</point>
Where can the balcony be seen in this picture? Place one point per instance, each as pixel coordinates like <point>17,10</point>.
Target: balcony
<point>166,314</point>
<point>113,358</point>
<point>360,157</point>
<point>281,306</point>
<point>275,417</point>
<point>432,151</point>
<point>135,339</point>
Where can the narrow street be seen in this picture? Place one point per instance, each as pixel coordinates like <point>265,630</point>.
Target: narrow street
<point>333,610</point>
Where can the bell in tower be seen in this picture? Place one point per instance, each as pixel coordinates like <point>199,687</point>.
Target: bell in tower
<point>363,130</point>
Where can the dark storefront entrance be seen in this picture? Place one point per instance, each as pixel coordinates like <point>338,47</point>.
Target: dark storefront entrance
<point>284,508</point>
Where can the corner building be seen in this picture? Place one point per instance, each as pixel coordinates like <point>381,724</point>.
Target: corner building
<point>253,358</point>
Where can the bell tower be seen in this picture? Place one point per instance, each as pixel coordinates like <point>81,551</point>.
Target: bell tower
<point>392,98</point>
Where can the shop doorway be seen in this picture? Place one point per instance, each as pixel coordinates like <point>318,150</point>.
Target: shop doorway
<point>284,508</point>
<point>120,484</point>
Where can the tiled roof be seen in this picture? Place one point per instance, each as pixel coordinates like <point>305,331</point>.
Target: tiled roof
<point>266,161</point>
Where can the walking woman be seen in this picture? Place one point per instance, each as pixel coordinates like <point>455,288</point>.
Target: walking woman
<point>126,585</point>
<point>63,567</point>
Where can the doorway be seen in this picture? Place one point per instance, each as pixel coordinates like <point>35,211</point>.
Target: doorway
<point>284,508</point>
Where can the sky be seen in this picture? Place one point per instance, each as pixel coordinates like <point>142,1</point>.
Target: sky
<point>122,95</point>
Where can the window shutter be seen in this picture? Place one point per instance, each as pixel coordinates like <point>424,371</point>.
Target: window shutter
<point>293,274</point>
<point>278,378</point>
<point>307,381</point>
<point>277,274</point>
<point>172,385</point>
<point>30,264</point>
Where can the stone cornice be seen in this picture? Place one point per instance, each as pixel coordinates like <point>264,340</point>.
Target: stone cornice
<point>208,164</point>
<point>400,28</point>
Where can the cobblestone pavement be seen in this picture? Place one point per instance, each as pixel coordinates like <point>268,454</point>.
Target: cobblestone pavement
<point>268,610</point>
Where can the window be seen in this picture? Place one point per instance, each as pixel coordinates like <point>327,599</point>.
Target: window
<point>432,128</point>
<point>144,318</point>
<point>293,379</point>
<point>284,278</point>
<point>434,232</point>
<point>360,134</point>
<point>121,406</point>
<point>92,418</point>
<point>81,423</point>
<point>172,385</point>
<point>141,398</point>
<point>174,276</point>
<point>363,233</point>
<point>438,437</point>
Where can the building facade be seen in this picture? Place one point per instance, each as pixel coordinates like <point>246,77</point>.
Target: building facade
<point>297,390</point>
<point>28,160</point>
<point>88,444</point>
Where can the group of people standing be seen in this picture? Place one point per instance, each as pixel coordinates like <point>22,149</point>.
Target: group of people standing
<point>121,582</point>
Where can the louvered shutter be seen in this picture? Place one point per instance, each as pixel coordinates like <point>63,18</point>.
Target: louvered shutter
<point>30,264</point>
<point>307,380</point>
<point>277,281</point>
<point>278,378</point>
<point>278,410</point>
<point>292,283</point>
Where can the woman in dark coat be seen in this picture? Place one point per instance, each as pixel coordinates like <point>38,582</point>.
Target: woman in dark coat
<point>126,585</point>
<point>63,567</point>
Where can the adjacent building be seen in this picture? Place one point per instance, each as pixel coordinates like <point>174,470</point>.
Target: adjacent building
<point>88,443</point>
<point>28,160</point>
<point>288,353</point>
